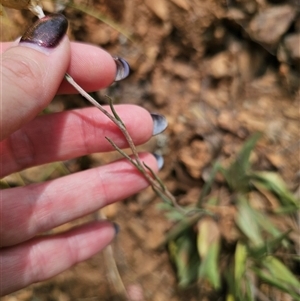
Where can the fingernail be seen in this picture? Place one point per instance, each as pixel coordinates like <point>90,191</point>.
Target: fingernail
<point>160,123</point>
<point>117,228</point>
<point>160,161</point>
<point>123,68</point>
<point>46,32</point>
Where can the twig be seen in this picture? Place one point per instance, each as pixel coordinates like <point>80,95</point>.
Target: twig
<point>151,177</point>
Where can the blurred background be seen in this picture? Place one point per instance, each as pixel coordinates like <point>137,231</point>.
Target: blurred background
<point>220,71</point>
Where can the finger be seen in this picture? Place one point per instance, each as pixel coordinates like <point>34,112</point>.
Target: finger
<point>32,72</point>
<point>44,257</point>
<point>70,134</point>
<point>90,66</point>
<point>50,204</point>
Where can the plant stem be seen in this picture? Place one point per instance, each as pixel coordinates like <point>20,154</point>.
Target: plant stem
<point>153,180</point>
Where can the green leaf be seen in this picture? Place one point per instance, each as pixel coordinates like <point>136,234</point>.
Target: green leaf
<point>174,216</point>
<point>164,206</point>
<point>265,223</point>
<point>183,252</point>
<point>237,174</point>
<point>209,266</point>
<point>272,181</point>
<point>255,225</point>
<point>275,273</point>
<point>249,294</point>
<point>280,271</point>
<point>242,283</point>
<point>269,246</point>
<point>240,258</point>
<point>183,225</point>
<point>240,280</point>
<point>247,222</point>
<point>208,245</point>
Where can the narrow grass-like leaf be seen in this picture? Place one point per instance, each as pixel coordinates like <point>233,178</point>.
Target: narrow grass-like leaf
<point>273,182</point>
<point>257,222</point>
<point>249,293</point>
<point>240,258</point>
<point>275,273</point>
<point>174,215</point>
<point>269,246</point>
<point>266,224</point>
<point>164,206</point>
<point>209,266</point>
<point>281,272</point>
<point>208,245</point>
<point>184,254</point>
<point>247,222</point>
<point>236,175</point>
<point>182,226</point>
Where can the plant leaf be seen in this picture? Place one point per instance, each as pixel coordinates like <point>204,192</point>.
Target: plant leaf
<point>247,222</point>
<point>269,246</point>
<point>277,274</point>
<point>236,175</point>
<point>183,225</point>
<point>183,251</point>
<point>273,182</point>
<point>240,258</point>
<point>208,245</point>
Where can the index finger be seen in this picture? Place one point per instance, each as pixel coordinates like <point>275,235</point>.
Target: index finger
<point>90,66</point>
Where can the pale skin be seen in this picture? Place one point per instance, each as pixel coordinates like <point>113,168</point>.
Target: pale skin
<point>30,79</point>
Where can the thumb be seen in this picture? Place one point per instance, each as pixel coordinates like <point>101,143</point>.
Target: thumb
<point>32,71</point>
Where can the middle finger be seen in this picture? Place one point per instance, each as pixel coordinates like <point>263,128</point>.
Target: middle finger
<point>70,134</point>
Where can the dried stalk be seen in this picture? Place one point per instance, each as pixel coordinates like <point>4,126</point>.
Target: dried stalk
<point>150,176</point>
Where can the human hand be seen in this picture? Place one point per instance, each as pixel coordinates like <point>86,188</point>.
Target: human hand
<point>32,73</point>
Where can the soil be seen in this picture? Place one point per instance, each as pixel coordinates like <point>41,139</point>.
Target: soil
<point>219,71</point>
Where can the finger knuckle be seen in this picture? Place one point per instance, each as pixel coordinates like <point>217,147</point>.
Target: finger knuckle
<point>22,148</point>
<point>23,72</point>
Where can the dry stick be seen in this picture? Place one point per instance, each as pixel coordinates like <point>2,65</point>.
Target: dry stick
<point>154,181</point>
